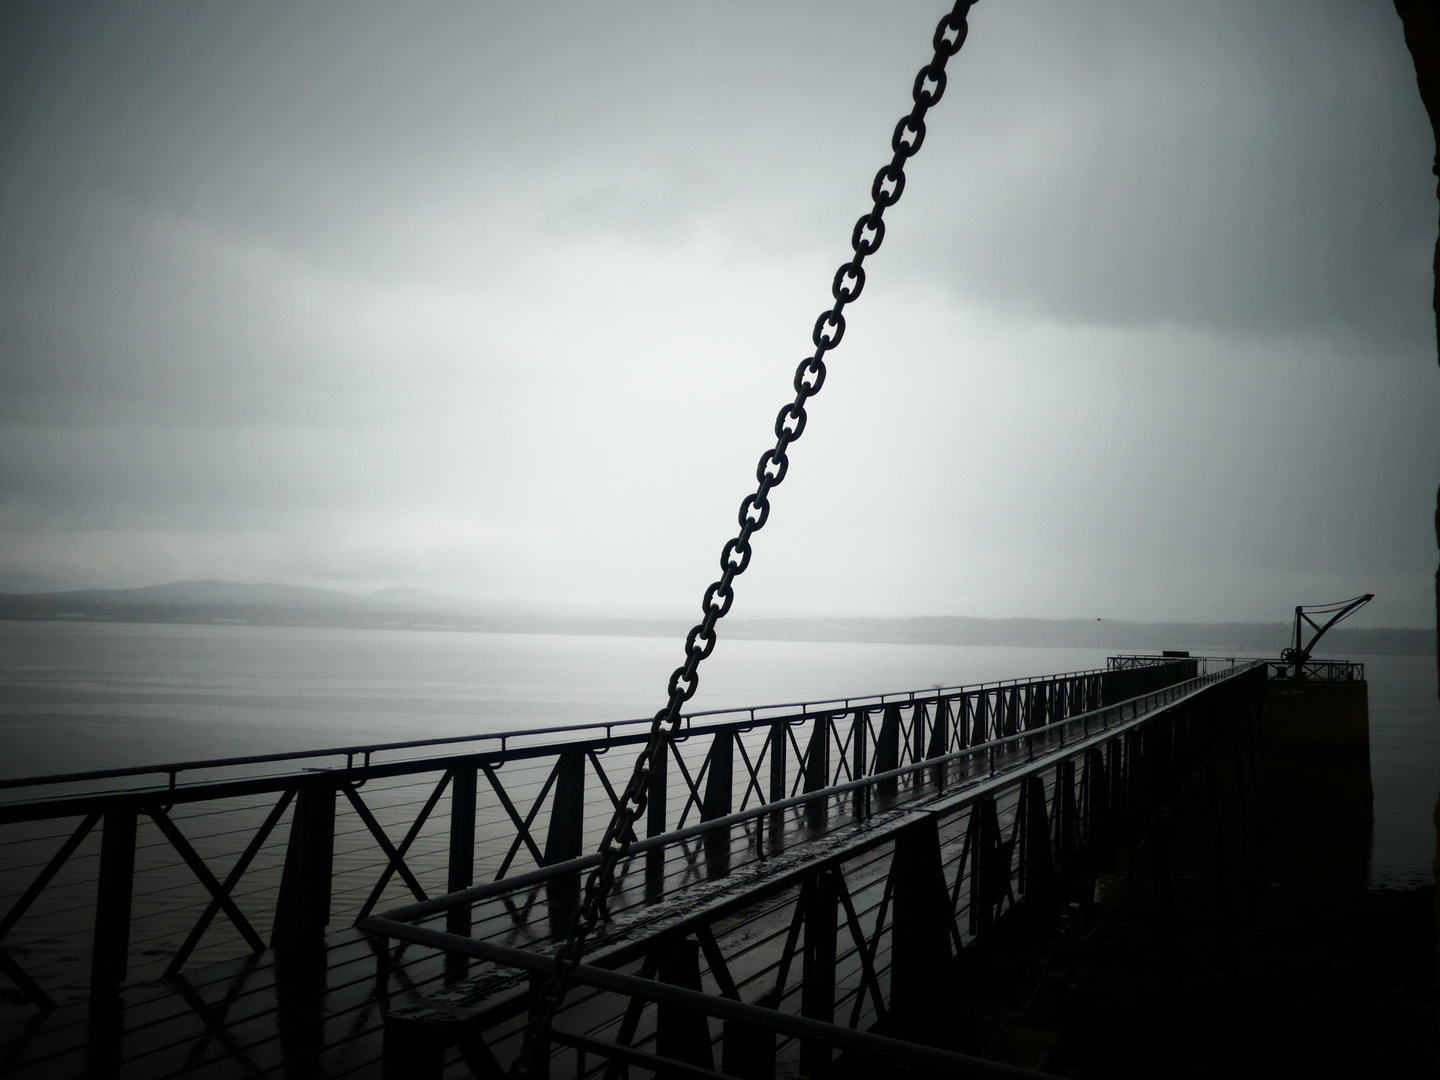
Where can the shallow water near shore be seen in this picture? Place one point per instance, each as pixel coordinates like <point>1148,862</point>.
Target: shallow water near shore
<point>82,696</point>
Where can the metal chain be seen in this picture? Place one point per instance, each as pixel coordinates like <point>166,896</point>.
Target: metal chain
<point>865,239</point>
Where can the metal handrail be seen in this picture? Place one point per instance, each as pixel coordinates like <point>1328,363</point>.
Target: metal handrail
<point>1321,670</point>
<point>751,712</point>
<point>1121,728</point>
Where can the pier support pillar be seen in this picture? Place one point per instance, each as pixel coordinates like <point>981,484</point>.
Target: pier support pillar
<point>302,910</point>
<point>719,801</point>
<point>920,935</point>
<point>110,954</point>
<point>859,729</point>
<point>887,749</point>
<point>817,770</point>
<point>460,873</point>
<point>1316,750</point>
<point>682,1034</point>
<point>989,879</point>
<point>655,809</point>
<point>1037,865</point>
<point>109,960</point>
<point>564,839</point>
<point>817,989</point>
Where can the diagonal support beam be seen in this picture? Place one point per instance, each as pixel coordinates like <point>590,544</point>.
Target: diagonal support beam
<point>27,986</point>
<point>202,872</point>
<point>752,771</point>
<point>869,980</point>
<point>18,909</point>
<point>414,831</point>
<point>610,791</point>
<point>231,880</point>
<point>695,798</point>
<point>396,859</point>
<point>522,828</point>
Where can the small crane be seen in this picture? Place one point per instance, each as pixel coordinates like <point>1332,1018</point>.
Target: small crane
<point>1298,654</point>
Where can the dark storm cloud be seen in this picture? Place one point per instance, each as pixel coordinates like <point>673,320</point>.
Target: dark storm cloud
<point>316,139</point>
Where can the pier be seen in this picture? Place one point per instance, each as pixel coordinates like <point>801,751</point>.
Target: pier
<point>807,873</point>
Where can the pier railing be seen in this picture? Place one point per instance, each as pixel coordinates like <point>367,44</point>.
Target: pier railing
<point>884,878</point>
<point>123,875</point>
<point>1276,670</point>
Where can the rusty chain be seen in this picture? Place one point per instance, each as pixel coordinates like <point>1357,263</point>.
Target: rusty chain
<point>865,239</point>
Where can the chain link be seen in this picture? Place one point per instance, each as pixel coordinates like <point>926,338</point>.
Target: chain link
<point>849,280</point>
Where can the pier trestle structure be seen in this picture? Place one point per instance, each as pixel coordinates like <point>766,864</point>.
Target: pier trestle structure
<point>822,863</point>
<point>818,915</point>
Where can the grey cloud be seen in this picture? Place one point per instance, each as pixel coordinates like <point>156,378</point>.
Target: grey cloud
<point>395,286</point>
<point>1252,168</point>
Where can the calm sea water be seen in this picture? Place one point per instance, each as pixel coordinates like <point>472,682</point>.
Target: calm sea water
<point>94,695</point>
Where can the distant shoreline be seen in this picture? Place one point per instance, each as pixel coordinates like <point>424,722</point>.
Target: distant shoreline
<point>1258,639</point>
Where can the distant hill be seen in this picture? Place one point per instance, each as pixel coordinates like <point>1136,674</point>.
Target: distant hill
<point>237,592</point>
<point>1226,639</point>
<point>228,602</point>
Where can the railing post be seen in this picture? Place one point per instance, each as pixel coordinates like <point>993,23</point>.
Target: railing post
<point>918,719</point>
<point>817,770</point>
<point>1099,841</point>
<point>817,755</point>
<point>817,989</point>
<point>565,836</point>
<point>567,814</point>
<point>939,740</point>
<point>778,780</point>
<point>1038,864</point>
<point>302,909</point>
<point>655,798</point>
<point>859,725</point>
<point>720,783</point>
<point>719,799</point>
<point>987,876</point>
<point>778,754</point>
<point>655,821</point>
<point>109,960</point>
<point>681,1033</point>
<point>460,872</point>
<point>920,926</point>
<point>1066,834</point>
<point>887,749</point>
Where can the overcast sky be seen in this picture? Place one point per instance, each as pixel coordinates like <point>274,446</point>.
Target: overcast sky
<point>500,300</point>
